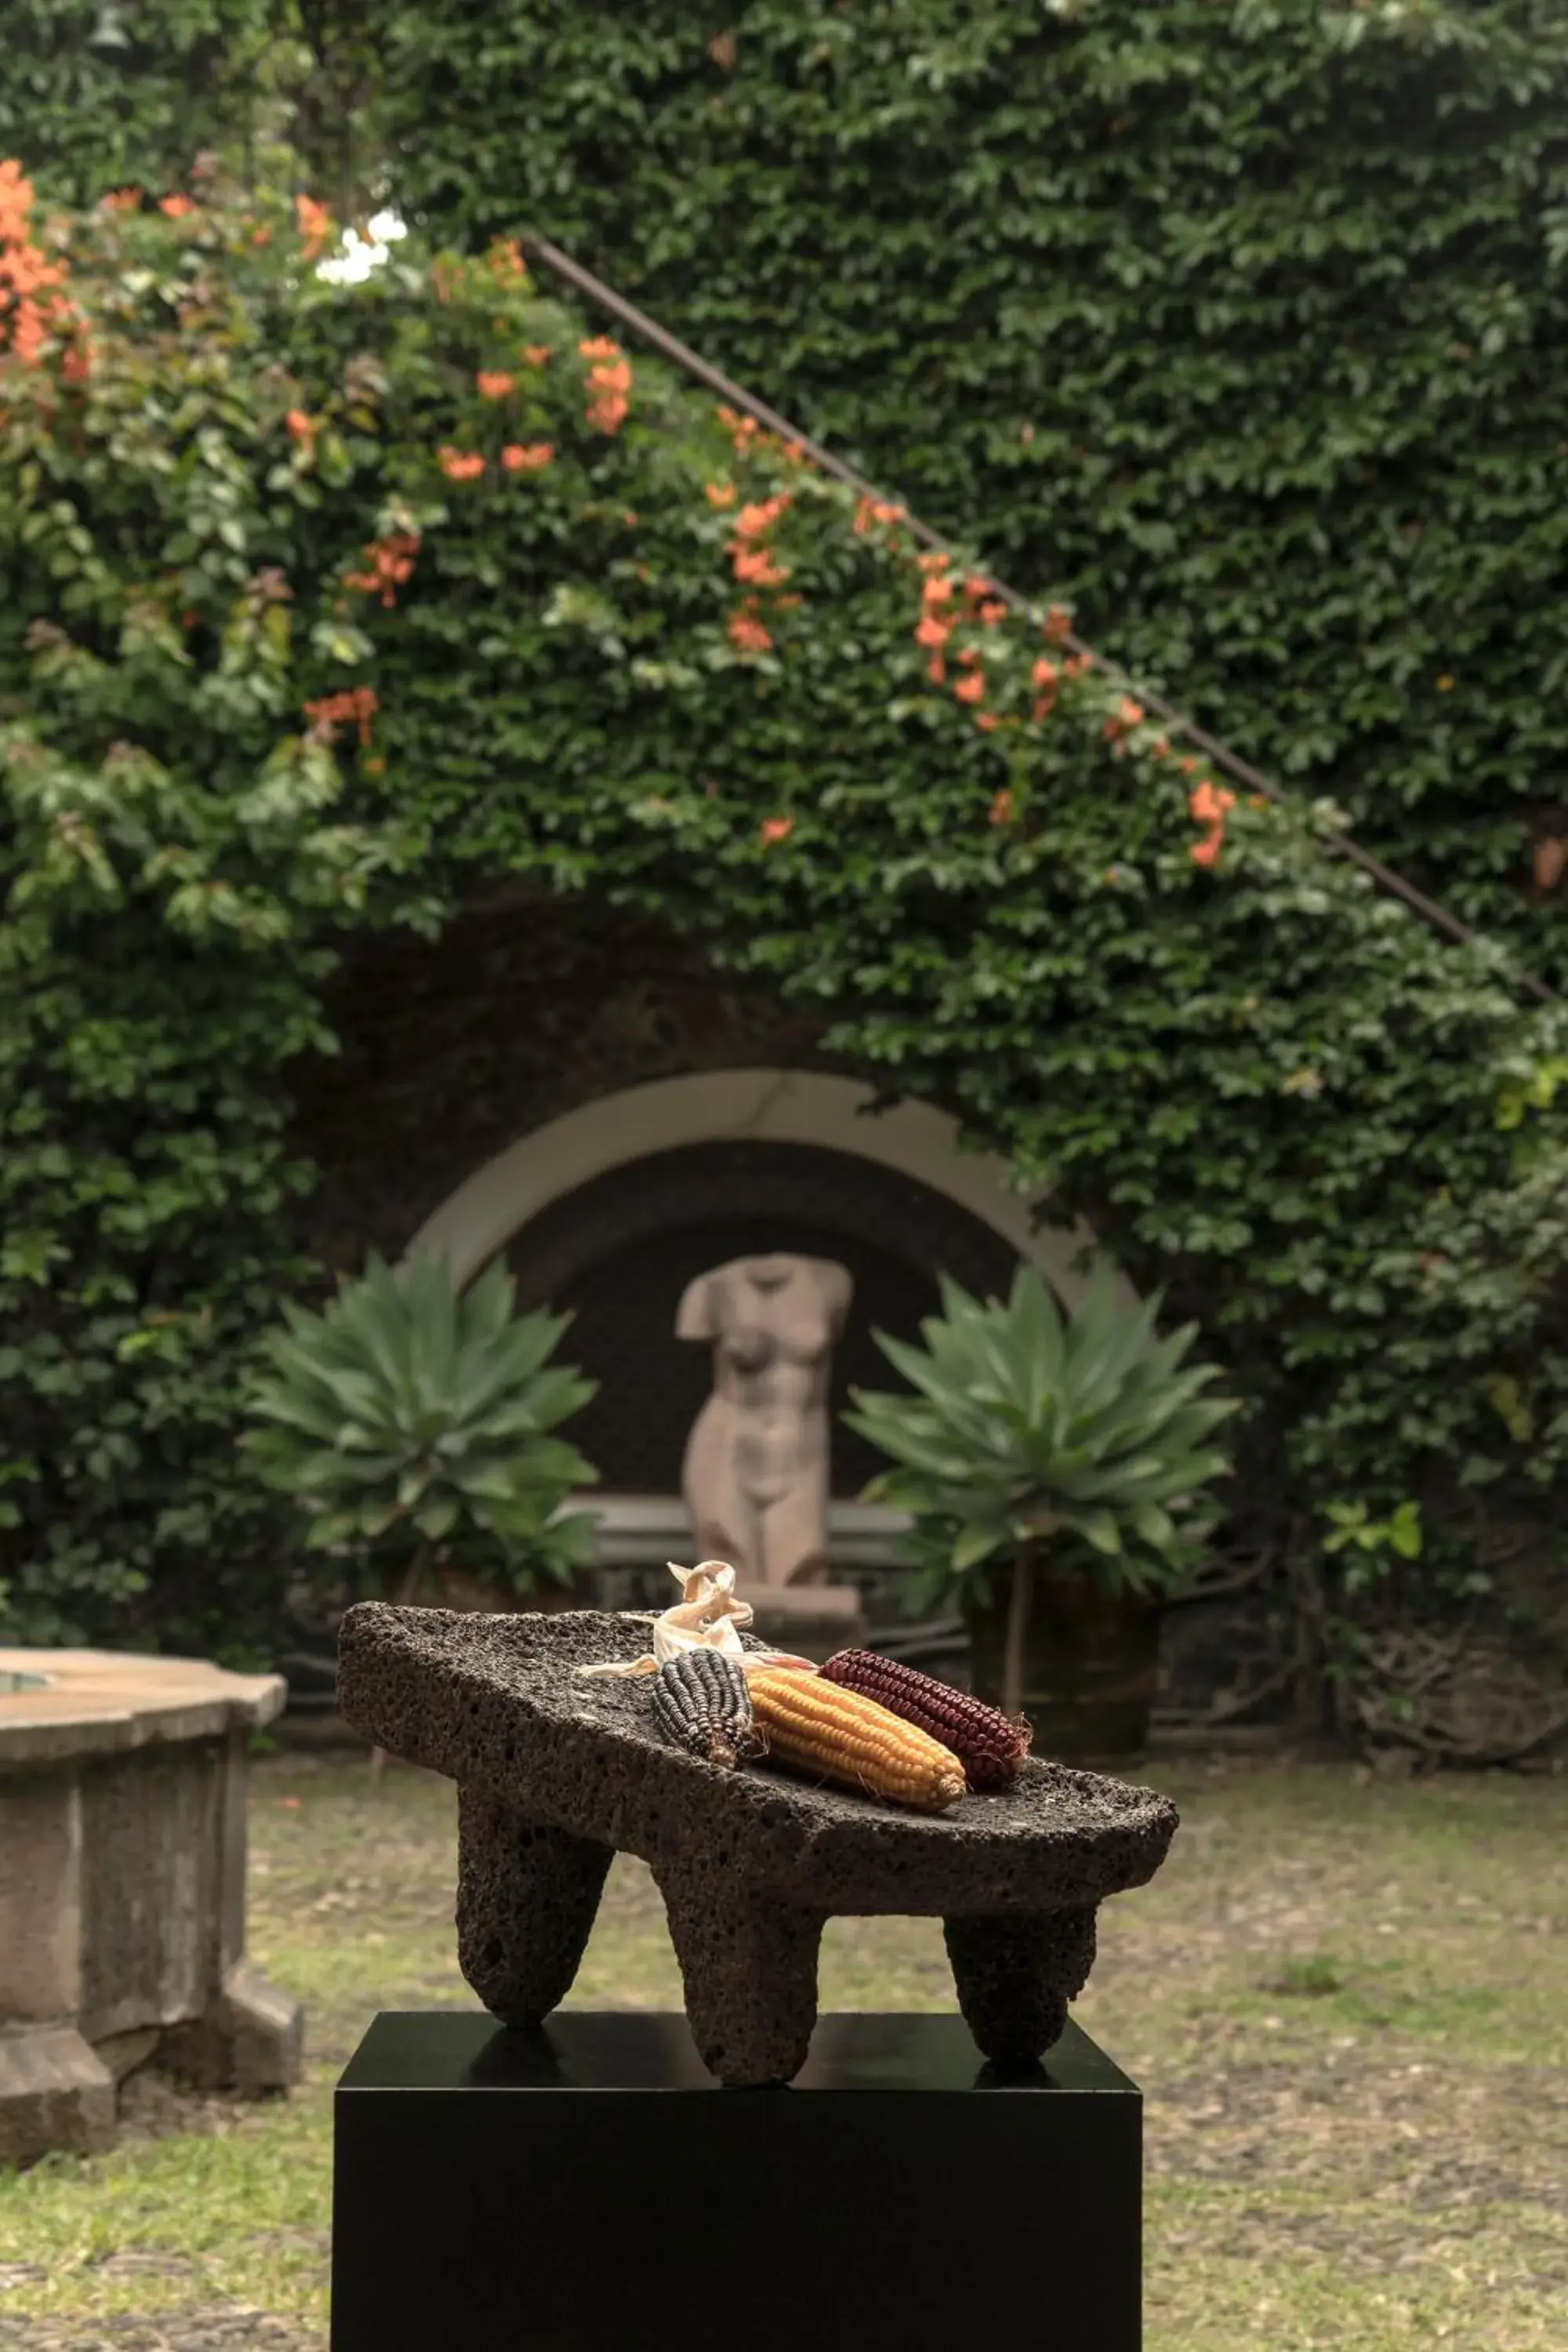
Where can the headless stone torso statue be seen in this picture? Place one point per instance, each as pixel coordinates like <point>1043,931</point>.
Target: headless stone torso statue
<point>755,1476</point>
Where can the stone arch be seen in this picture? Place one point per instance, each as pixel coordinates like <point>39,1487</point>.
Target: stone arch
<point>778,1106</point>
<point>609,1209</point>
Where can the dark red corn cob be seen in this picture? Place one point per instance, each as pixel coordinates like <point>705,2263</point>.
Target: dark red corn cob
<point>989,1746</point>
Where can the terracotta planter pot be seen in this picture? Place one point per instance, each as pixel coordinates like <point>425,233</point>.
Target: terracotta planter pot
<point>1091,1662</point>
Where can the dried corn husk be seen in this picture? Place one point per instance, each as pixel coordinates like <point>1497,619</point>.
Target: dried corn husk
<point>707,1616</point>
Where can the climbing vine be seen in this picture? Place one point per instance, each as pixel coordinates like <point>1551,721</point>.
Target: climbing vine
<point>322,603</point>
<point>1242,323</point>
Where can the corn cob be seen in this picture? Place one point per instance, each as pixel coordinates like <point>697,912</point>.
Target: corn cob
<point>837,1735</point>
<point>989,1745</point>
<point>701,1702</point>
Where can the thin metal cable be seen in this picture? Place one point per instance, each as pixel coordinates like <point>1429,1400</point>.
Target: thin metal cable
<point>1174,721</point>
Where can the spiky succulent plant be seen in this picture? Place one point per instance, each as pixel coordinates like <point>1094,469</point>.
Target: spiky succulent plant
<point>409,1413</point>
<point>1026,1429</point>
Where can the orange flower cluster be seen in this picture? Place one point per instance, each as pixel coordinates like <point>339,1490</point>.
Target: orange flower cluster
<point>1209,807</point>
<point>776,828</point>
<point>120,200</point>
<point>315,223</point>
<point>758,566</point>
<point>536,354</point>
<point>494,384</point>
<point>302,430</point>
<point>358,704</point>
<point>936,625</point>
<point>744,431</point>
<point>1001,812</point>
<point>460,465</point>
<point>1127,715</point>
<point>527,457</point>
<point>748,438</point>
<point>872,511</point>
<point>1044,677</point>
<point>721,493</point>
<point>746,632</point>
<point>33,284</point>
<point>390,560</point>
<point>755,566</point>
<point>506,261</point>
<point>753,520</point>
<point>176,207</point>
<point>609,383</point>
<point>930,630</point>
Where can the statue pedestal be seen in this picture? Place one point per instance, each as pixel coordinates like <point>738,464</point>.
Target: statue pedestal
<point>587,2187</point>
<point>811,1619</point>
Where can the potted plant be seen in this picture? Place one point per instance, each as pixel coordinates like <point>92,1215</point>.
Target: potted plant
<point>410,1421</point>
<point>1055,1472</point>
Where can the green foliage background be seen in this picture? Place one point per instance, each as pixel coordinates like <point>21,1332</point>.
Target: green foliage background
<point>1242,322</point>
<point>97,93</point>
<point>1245,325</point>
<point>1241,325</point>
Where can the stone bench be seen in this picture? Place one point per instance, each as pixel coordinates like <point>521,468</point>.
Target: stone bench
<point>557,1774</point>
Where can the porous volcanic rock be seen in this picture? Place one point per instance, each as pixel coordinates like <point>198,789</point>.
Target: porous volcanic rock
<point>558,1772</point>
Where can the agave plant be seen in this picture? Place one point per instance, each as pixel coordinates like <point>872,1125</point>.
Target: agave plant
<point>1029,1435</point>
<point>411,1412</point>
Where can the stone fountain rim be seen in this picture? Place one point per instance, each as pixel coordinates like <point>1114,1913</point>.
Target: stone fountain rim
<point>95,1702</point>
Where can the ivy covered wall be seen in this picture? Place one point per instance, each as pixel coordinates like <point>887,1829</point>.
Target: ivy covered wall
<point>1242,326</point>
<point>325,607</point>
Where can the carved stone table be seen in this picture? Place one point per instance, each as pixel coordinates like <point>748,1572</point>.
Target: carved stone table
<point>122,1785</point>
<point>557,1774</point>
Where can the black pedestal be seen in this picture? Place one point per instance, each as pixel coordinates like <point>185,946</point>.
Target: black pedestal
<point>590,2189</point>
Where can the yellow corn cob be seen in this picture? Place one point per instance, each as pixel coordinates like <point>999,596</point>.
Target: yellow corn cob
<point>838,1735</point>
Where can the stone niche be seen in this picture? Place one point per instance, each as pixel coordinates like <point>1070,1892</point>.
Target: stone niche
<point>526,1010</point>
<point>620,1250</point>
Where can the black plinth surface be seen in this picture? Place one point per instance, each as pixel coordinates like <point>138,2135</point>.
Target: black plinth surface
<point>588,2187</point>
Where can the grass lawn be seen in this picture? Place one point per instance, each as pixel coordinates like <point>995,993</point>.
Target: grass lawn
<point>1346,1997</point>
